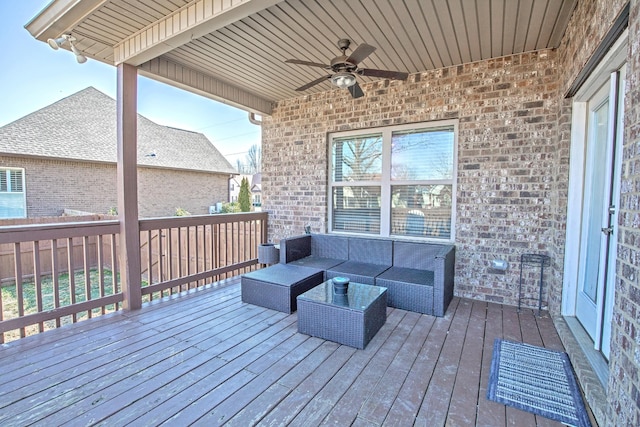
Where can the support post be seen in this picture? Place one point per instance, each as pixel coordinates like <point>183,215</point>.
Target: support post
<point>129,250</point>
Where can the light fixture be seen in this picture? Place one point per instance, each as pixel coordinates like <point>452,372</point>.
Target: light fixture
<point>79,56</point>
<point>343,80</point>
<point>67,38</point>
<point>57,43</point>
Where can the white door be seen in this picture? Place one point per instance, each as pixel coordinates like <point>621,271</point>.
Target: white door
<point>598,235</point>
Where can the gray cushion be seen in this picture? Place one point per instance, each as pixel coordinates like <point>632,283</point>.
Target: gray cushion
<point>408,275</point>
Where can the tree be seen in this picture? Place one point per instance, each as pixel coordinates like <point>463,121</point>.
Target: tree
<point>254,159</point>
<point>244,198</point>
<point>252,163</point>
<point>240,167</point>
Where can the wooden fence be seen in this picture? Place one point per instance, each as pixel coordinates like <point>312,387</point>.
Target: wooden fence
<point>7,258</point>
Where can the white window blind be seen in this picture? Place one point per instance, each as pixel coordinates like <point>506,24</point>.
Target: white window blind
<point>395,181</point>
<point>12,195</point>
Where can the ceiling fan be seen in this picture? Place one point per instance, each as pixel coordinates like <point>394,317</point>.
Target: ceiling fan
<point>344,69</point>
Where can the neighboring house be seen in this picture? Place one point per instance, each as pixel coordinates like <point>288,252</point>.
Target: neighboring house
<point>256,191</point>
<point>234,186</point>
<point>64,157</point>
<point>255,188</point>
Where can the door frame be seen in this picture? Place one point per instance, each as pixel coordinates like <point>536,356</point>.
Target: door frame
<point>612,62</point>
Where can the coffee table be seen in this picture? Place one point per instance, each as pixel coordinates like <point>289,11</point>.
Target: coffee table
<point>351,319</point>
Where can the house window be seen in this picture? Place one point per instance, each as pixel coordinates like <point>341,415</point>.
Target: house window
<point>395,181</point>
<point>12,193</point>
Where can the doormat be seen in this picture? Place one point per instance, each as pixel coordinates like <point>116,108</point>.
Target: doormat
<point>536,380</point>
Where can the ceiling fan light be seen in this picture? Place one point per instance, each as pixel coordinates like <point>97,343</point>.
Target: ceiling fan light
<point>343,80</point>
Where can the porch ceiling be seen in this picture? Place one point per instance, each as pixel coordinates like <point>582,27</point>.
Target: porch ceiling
<point>234,50</point>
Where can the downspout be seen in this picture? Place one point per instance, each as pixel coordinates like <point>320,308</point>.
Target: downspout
<point>254,120</point>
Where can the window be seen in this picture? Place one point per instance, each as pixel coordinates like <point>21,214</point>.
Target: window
<point>396,181</point>
<point>12,193</point>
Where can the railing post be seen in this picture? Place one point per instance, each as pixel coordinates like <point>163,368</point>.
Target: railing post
<point>130,262</point>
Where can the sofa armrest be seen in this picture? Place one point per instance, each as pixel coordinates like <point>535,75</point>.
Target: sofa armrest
<point>443,279</point>
<point>446,251</point>
<point>295,248</point>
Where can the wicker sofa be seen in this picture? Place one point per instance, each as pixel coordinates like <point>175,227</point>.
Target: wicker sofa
<point>419,276</point>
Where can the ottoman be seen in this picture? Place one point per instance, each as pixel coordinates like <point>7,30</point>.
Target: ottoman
<point>277,287</point>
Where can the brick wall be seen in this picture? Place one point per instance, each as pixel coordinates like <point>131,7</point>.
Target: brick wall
<point>161,191</point>
<point>53,186</point>
<point>507,112</point>
<point>624,368</point>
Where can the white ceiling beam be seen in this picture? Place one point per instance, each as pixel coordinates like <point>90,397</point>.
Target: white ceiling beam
<point>202,84</point>
<point>60,17</point>
<point>190,22</point>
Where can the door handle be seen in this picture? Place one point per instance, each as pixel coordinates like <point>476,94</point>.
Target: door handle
<point>607,230</point>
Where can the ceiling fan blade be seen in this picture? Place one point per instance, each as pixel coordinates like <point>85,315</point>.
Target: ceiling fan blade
<point>312,64</point>
<point>394,75</point>
<point>356,91</point>
<point>313,83</point>
<point>362,51</point>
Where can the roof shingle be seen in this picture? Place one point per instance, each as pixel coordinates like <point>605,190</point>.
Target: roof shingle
<point>83,127</point>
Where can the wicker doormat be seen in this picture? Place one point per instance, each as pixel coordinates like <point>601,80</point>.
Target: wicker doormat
<point>536,380</point>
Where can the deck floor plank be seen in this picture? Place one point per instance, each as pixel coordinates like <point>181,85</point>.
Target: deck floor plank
<point>380,400</point>
<point>435,406</point>
<point>286,338</point>
<point>490,413</point>
<point>548,332</point>
<point>290,404</point>
<point>205,358</point>
<point>405,409</point>
<point>105,340</point>
<point>193,402</point>
<point>148,385</point>
<point>346,409</point>
<point>307,386</point>
<point>148,364</point>
<point>126,339</point>
<point>264,393</point>
<point>314,412</point>
<point>467,381</point>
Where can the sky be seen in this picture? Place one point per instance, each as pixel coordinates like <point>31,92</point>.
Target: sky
<point>32,76</point>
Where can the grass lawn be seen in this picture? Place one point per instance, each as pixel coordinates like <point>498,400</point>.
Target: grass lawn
<point>10,300</point>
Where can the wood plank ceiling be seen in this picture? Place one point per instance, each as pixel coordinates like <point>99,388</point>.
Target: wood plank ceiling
<point>247,55</point>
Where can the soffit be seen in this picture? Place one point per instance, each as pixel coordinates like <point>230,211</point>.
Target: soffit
<point>234,50</point>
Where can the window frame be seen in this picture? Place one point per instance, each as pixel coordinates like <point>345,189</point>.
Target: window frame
<point>386,183</point>
<point>7,170</point>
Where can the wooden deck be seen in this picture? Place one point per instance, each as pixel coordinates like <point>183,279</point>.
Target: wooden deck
<point>206,358</point>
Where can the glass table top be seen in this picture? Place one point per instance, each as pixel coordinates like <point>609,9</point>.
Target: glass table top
<point>358,297</point>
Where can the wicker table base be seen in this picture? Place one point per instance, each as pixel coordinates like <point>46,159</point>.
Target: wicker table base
<point>277,287</point>
<point>351,319</point>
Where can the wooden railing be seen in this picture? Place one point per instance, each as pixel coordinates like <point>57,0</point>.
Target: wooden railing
<point>65,272</point>
<point>187,252</point>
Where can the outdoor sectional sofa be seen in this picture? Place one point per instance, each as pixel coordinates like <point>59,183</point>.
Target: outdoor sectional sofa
<point>418,276</point>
